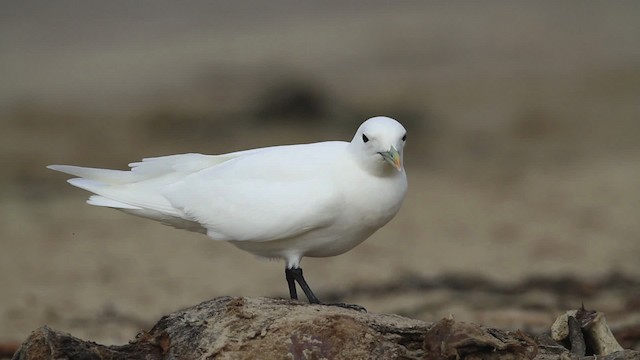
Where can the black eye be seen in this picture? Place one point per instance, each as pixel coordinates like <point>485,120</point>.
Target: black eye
<point>404,138</point>
<point>365,138</point>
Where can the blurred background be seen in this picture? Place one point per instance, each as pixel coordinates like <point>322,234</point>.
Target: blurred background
<point>523,154</point>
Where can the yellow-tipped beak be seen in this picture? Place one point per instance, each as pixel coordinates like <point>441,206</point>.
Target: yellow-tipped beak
<point>393,157</point>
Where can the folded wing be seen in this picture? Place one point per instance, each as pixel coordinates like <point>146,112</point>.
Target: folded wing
<point>256,210</point>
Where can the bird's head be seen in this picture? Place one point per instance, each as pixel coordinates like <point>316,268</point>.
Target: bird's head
<point>379,143</point>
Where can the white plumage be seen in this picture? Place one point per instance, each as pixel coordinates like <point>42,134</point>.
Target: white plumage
<point>319,199</point>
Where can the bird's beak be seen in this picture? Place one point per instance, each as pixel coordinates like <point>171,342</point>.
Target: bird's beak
<point>392,157</point>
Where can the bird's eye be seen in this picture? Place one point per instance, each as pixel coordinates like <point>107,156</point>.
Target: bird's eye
<point>365,138</point>
<point>404,138</point>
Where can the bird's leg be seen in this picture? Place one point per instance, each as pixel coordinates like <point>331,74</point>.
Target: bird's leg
<point>295,275</point>
<point>291,281</point>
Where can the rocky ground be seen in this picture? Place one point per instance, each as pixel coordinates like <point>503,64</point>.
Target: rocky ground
<point>257,328</point>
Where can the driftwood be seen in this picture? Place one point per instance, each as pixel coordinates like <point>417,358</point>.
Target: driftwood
<point>247,328</point>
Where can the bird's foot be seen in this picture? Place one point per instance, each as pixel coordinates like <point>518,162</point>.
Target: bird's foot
<point>348,306</point>
<point>294,275</point>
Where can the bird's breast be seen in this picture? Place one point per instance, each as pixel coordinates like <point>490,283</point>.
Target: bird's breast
<point>374,202</point>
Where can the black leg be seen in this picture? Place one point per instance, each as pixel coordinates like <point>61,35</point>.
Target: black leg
<point>295,275</point>
<point>291,281</point>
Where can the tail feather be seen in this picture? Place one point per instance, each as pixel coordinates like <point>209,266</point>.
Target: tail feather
<point>127,196</point>
<point>140,187</point>
<point>87,184</point>
<point>146,169</point>
<point>149,167</point>
<point>106,176</point>
<point>98,200</point>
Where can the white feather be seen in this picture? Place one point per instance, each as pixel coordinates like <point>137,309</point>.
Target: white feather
<point>98,200</point>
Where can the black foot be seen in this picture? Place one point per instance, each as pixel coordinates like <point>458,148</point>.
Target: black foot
<point>348,306</point>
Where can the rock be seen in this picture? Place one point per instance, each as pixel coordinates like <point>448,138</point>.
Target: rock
<point>594,328</point>
<point>448,339</point>
<point>247,328</point>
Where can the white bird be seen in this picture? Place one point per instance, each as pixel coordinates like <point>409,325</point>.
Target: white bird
<point>319,199</point>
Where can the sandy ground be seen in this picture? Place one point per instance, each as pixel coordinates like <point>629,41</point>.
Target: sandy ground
<point>523,154</point>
